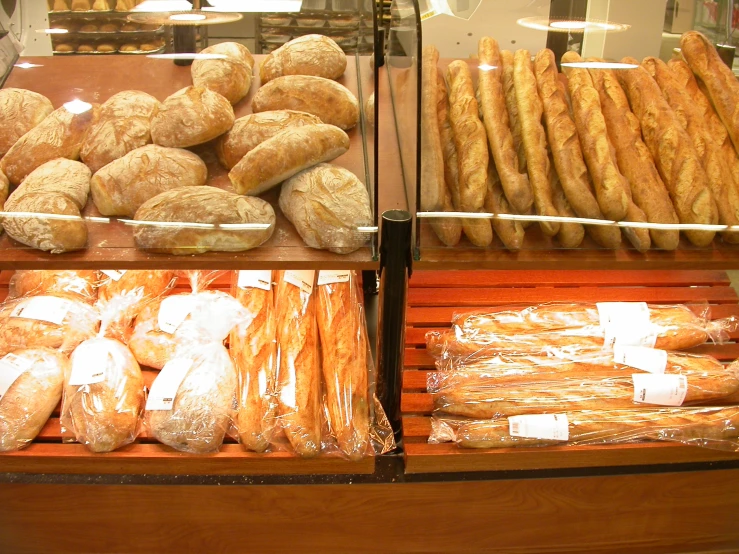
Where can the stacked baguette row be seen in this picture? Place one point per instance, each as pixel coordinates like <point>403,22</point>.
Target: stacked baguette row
<point>296,374</point>
<point>647,145</point>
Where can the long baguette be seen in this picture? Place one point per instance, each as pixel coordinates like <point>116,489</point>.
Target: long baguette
<point>720,179</point>
<point>566,150</point>
<point>534,139</point>
<point>571,234</point>
<point>509,89</point>
<point>673,153</point>
<point>497,124</point>
<point>432,161</point>
<point>511,232</point>
<point>634,160</point>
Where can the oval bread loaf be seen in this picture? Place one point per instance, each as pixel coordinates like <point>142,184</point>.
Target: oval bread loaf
<point>333,103</point>
<point>20,111</point>
<point>251,130</point>
<point>122,186</point>
<point>191,116</point>
<point>231,76</point>
<point>327,204</point>
<point>79,285</point>
<point>203,205</point>
<point>60,176</point>
<point>31,398</point>
<point>124,125</point>
<point>316,55</point>
<point>4,187</point>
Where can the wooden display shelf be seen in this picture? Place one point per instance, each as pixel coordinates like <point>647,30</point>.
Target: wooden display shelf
<point>433,298</point>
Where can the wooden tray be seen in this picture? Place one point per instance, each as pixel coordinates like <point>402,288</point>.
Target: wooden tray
<point>434,296</point>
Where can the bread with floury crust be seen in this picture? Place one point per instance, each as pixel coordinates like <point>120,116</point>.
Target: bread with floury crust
<point>230,76</point>
<point>20,111</point>
<point>317,55</point>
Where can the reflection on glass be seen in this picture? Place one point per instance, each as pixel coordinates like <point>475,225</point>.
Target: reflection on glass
<point>163,6</point>
<point>570,25</point>
<point>77,106</point>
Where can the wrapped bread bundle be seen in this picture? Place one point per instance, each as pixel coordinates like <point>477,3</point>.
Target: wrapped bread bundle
<point>78,285</point>
<point>31,382</point>
<point>253,347</point>
<point>173,322</point>
<point>191,404</point>
<point>344,360</point>
<point>709,427</point>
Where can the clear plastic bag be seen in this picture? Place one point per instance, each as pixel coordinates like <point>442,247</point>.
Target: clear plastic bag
<point>77,285</point>
<point>716,428</point>
<point>31,383</point>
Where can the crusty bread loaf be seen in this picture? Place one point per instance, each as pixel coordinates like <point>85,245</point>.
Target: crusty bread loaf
<point>122,186</point>
<point>299,373</point>
<point>634,160</point>
<point>253,347</point>
<point>31,399</point>
<point>509,89</point>
<point>4,188</point>
<point>497,124</point>
<point>331,102</point>
<point>191,116</point>
<point>449,229</point>
<point>511,232</point>
<point>203,408</point>
<point>571,233</point>
<point>79,284</point>
<point>327,204</point>
<point>107,414</point>
<point>60,176</point>
<point>673,152</point>
<point>285,154</point>
<point>231,76</point>
<point>201,205</point>
<point>317,55</point>
<point>432,160</point>
<point>60,135</point>
<point>253,129</point>
<point>20,111</point>
<point>530,110</point>
<point>123,126</point>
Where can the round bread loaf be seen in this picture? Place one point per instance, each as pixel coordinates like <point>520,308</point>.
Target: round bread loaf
<point>60,176</point>
<point>316,55</point>
<point>20,111</point>
<point>231,76</point>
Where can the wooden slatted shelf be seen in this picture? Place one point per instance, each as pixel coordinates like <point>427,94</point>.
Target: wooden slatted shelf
<point>433,298</point>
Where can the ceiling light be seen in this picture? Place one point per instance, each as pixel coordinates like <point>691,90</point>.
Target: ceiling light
<point>271,6</point>
<point>187,17</point>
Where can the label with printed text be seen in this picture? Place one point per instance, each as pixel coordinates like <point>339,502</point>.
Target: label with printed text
<point>11,367</point>
<point>640,357</point>
<point>330,276</point>
<point>89,363</point>
<point>174,310</point>
<point>164,388</point>
<point>43,308</point>
<point>663,390</point>
<point>257,279</point>
<point>540,426</point>
<point>301,278</point>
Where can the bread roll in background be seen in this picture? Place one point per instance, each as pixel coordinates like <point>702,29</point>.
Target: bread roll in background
<point>231,76</point>
<point>20,111</point>
<point>123,126</point>
<point>191,116</point>
<point>317,55</point>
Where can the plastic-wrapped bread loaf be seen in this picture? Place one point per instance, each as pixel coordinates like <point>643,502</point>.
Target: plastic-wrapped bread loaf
<point>299,373</point>
<point>230,75</point>
<point>253,347</point>
<point>317,55</point>
<point>78,284</point>
<point>36,379</point>
<point>20,111</point>
<point>344,352</point>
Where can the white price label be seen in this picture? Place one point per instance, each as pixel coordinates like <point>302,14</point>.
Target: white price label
<point>260,279</point>
<point>164,388</point>
<point>328,277</point>
<point>540,426</point>
<point>43,308</point>
<point>11,367</point>
<point>663,390</point>
<point>640,357</point>
<point>626,324</point>
<point>303,279</point>
<point>114,273</point>
<point>90,361</point>
<point>174,310</point>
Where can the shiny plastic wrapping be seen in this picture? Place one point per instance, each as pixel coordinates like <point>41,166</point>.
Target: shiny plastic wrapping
<point>35,377</point>
<point>77,285</point>
<point>716,428</point>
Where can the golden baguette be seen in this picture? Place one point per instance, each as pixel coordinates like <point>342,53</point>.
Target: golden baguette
<point>511,232</point>
<point>449,230</point>
<point>497,124</point>
<point>534,139</point>
<point>432,161</point>
<point>634,160</point>
<point>478,231</point>
<point>509,88</point>
<point>720,179</point>
<point>673,153</point>
<point>571,234</point>
<point>566,150</point>
<point>611,187</point>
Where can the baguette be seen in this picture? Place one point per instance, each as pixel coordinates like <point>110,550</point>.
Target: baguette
<point>497,124</point>
<point>634,160</point>
<point>20,111</point>
<point>530,112</point>
<point>566,151</point>
<point>432,161</point>
<point>720,179</point>
<point>673,153</point>
<point>509,88</point>
<point>511,232</point>
<point>469,137</point>
<point>571,234</point>
<point>719,79</point>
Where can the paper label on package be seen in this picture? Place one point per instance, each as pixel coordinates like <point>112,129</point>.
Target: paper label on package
<point>164,388</point>
<point>174,310</point>
<point>302,278</point>
<point>640,357</point>
<point>11,367</point>
<point>114,274</point>
<point>43,308</point>
<point>626,324</point>
<point>540,426</point>
<point>328,277</point>
<point>89,362</point>
<point>259,279</point>
<point>663,390</point>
